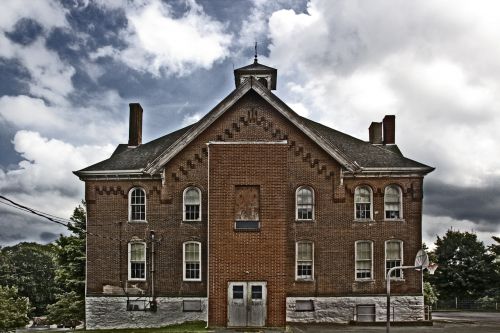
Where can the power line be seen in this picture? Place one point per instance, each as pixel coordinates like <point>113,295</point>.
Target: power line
<point>51,218</point>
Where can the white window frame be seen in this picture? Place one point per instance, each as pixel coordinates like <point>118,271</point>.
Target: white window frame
<point>297,206</point>
<point>130,262</point>
<point>371,278</point>
<point>400,202</point>
<point>184,203</point>
<point>385,258</point>
<point>184,277</point>
<point>130,204</point>
<point>371,203</point>
<point>297,277</point>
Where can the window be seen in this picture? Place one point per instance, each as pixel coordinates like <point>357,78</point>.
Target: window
<point>363,202</point>
<point>137,261</point>
<point>137,204</point>
<point>304,305</point>
<point>191,305</point>
<point>393,258</point>
<point>365,312</point>
<point>192,204</point>
<point>256,292</point>
<point>304,203</point>
<point>364,260</point>
<point>192,261</point>
<point>392,202</point>
<point>305,264</point>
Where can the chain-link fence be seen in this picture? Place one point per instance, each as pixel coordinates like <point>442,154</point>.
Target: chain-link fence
<point>466,305</point>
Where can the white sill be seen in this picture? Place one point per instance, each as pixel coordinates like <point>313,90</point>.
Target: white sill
<point>365,280</point>
<point>138,221</point>
<point>394,220</point>
<point>309,220</point>
<point>304,279</point>
<point>190,221</point>
<point>364,220</point>
<point>191,280</point>
<point>397,280</point>
<point>130,279</point>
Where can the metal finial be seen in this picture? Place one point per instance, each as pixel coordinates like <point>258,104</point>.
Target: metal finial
<point>255,59</point>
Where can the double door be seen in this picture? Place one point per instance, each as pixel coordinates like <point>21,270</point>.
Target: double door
<point>247,304</point>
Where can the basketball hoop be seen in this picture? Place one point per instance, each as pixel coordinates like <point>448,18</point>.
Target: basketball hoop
<point>421,260</point>
<point>432,268</point>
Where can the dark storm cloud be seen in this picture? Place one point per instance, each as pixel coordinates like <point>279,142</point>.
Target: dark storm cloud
<point>480,205</point>
<point>48,237</point>
<point>16,226</point>
<point>25,31</point>
<point>17,74</point>
<point>9,156</point>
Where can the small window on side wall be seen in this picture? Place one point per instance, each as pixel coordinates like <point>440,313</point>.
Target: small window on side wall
<point>137,205</point>
<point>192,204</point>
<point>392,202</point>
<point>192,261</point>
<point>363,203</point>
<point>305,261</point>
<point>137,261</point>
<point>304,201</point>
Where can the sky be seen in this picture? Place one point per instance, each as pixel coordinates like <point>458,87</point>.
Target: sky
<point>69,69</point>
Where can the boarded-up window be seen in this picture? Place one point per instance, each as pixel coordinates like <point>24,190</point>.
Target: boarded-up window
<point>246,205</point>
<point>304,305</point>
<point>191,305</point>
<point>366,312</point>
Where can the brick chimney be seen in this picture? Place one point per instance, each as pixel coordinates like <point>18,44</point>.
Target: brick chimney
<point>135,127</point>
<point>375,133</point>
<point>389,125</point>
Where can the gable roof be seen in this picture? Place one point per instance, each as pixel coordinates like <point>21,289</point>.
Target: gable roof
<point>353,154</point>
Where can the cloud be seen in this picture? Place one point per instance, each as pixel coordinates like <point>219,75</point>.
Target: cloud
<point>161,43</point>
<point>434,65</point>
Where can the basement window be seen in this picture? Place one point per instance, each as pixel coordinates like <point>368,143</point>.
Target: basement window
<point>136,305</point>
<point>191,305</point>
<point>304,305</point>
<point>247,225</point>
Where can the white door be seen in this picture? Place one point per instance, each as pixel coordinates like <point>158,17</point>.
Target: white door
<point>247,304</point>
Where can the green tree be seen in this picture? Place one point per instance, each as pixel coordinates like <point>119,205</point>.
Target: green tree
<point>70,272</point>
<point>13,309</point>
<point>69,310</point>
<point>30,267</point>
<point>430,296</point>
<point>466,268</point>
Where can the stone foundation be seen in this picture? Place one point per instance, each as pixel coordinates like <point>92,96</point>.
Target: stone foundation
<point>111,312</point>
<point>343,309</point>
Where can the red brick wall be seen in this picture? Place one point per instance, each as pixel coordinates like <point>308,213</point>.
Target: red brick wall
<point>279,169</point>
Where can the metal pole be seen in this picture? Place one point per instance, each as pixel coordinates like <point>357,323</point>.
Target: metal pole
<point>388,279</point>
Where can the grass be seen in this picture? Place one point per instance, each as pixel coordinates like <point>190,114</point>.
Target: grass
<point>192,326</point>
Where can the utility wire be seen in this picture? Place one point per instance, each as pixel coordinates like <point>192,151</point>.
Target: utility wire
<point>51,218</point>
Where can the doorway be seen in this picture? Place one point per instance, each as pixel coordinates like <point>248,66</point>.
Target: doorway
<point>247,304</point>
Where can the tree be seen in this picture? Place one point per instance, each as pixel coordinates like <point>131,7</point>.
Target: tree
<point>69,310</point>
<point>30,268</point>
<point>70,273</point>
<point>13,309</point>
<point>430,296</point>
<point>466,268</point>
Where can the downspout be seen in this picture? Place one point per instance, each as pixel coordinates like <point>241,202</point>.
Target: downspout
<point>208,228</point>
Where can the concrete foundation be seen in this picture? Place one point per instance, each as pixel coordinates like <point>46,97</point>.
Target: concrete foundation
<point>111,312</point>
<point>343,309</point>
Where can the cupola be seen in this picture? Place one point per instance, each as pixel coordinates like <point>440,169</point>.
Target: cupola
<point>264,74</point>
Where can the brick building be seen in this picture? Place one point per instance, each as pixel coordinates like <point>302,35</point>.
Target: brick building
<point>253,216</point>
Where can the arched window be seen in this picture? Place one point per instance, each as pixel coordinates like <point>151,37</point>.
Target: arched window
<point>192,204</point>
<point>137,204</point>
<point>392,202</point>
<point>192,261</point>
<point>304,201</point>
<point>364,258</point>
<point>304,258</point>
<point>137,261</point>
<point>394,258</point>
<point>363,202</point>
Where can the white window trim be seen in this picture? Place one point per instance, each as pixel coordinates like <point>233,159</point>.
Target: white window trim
<point>130,205</point>
<point>371,278</point>
<point>385,259</point>
<point>184,203</point>
<point>184,278</point>
<point>297,278</point>
<point>371,204</point>
<point>313,203</point>
<point>400,203</point>
<point>130,263</point>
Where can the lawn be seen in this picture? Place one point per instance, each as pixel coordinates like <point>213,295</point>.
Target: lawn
<point>194,326</point>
